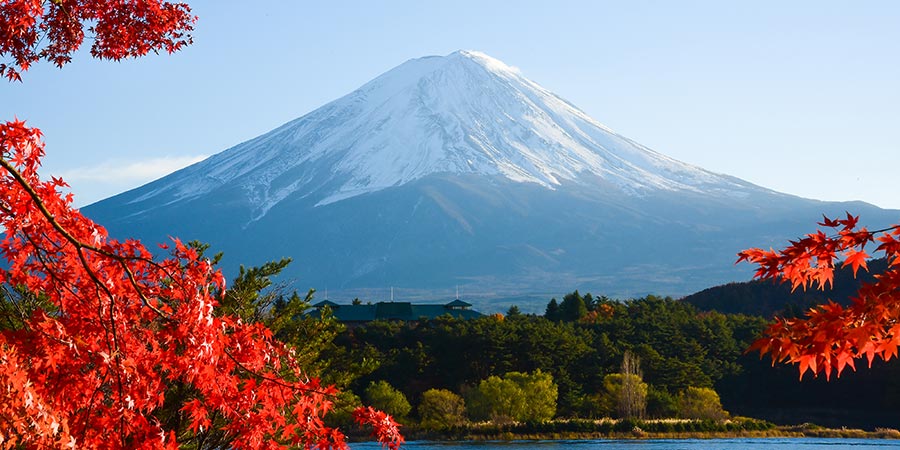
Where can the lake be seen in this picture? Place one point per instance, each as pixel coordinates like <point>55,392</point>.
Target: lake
<point>654,444</point>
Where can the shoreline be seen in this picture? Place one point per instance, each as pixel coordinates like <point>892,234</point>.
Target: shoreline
<point>490,432</point>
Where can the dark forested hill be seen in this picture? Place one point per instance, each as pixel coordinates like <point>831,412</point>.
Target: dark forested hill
<point>861,398</point>
<point>766,298</point>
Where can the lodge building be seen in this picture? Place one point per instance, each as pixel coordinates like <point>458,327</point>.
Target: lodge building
<point>402,311</point>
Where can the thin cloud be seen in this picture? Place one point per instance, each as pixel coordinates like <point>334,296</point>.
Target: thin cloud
<point>140,171</point>
<point>92,183</point>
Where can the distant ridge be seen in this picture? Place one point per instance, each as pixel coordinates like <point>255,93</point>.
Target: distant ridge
<point>767,298</point>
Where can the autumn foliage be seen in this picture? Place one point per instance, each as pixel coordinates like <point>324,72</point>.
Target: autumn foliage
<point>34,30</point>
<point>105,327</point>
<point>831,337</point>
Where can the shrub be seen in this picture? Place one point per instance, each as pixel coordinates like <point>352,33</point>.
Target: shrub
<point>524,397</point>
<point>383,396</point>
<point>700,403</point>
<point>661,404</point>
<point>441,409</point>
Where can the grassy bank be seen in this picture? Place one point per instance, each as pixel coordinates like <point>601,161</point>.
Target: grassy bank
<point>635,429</point>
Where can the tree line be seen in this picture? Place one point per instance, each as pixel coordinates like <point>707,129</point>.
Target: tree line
<point>687,363</point>
<point>580,344</point>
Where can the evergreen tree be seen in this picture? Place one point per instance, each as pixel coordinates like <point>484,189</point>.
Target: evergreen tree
<point>572,307</point>
<point>552,312</point>
<point>589,302</point>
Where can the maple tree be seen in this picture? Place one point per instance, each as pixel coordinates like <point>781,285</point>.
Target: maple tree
<point>831,337</point>
<point>101,328</point>
<point>52,30</point>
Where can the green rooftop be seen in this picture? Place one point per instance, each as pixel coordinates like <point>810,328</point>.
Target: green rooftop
<point>403,311</point>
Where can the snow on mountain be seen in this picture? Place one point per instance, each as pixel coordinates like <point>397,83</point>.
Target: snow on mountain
<point>464,113</point>
<point>473,175</point>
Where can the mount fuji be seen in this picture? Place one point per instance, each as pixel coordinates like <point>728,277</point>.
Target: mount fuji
<point>458,171</point>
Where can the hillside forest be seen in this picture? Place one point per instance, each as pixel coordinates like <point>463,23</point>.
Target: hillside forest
<point>682,358</point>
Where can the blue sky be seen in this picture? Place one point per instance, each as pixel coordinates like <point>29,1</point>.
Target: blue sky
<point>802,97</point>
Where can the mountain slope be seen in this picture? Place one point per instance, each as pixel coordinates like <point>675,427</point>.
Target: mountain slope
<point>465,113</point>
<point>458,170</point>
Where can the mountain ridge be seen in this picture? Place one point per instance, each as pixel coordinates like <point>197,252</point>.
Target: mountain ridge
<point>459,170</point>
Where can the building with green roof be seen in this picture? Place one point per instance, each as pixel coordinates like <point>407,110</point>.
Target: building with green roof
<point>402,311</point>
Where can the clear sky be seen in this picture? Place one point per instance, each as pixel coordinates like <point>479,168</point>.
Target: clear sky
<point>801,97</point>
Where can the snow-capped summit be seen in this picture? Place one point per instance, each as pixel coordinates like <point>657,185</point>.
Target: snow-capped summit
<point>461,113</point>
<point>458,170</point>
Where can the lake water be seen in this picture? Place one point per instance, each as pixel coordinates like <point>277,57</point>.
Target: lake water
<point>655,444</point>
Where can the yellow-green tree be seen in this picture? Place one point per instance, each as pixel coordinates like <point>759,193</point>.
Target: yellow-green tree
<point>440,408</point>
<point>523,397</point>
<point>700,403</point>
<point>381,395</point>
<point>625,393</point>
<point>540,393</point>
